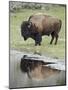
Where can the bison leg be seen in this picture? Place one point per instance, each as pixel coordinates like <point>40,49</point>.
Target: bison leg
<point>56,39</point>
<point>38,39</point>
<point>37,44</point>
<point>52,38</point>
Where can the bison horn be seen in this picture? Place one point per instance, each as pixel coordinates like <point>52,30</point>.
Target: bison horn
<point>29,25</point>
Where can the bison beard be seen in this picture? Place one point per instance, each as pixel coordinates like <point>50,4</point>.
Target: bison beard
<point>39,25</point>
<point>37,37</point>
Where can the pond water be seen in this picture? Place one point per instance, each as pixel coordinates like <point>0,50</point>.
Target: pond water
<point>39,76</point>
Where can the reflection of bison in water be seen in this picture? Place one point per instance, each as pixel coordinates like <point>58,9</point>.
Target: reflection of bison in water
<point>27,64</point>
<point>39,25</point>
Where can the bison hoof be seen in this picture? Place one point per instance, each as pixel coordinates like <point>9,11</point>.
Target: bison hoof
<point>50,43</point>
<point>37,44</point>
<point>55,43</point>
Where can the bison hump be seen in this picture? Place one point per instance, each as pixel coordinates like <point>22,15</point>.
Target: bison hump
<point>37,22</point>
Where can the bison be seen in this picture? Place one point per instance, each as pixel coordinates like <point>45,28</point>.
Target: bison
<point>39,25</point>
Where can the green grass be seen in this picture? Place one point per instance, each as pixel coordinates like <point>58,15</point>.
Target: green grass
<point>17,42</point>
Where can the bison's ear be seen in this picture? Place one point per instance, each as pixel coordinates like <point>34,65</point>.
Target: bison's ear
<point>30,24</point>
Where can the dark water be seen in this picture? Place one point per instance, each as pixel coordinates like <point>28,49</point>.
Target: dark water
<point>40,76</point>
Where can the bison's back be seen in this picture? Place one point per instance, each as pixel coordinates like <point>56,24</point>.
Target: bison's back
<point>45,24</point>
<point>37,21</point>
<point>51,24</point>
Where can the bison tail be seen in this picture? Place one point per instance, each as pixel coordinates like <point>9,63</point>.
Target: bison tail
<point>30,18</point>
<point>60,23</point>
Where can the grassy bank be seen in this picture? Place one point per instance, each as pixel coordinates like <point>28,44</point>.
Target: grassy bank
<point>17,42</point>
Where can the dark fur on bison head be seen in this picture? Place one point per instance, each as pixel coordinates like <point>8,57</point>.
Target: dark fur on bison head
<point>25,29</point>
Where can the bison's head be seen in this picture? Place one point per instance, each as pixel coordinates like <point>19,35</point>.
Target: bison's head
<point>25,29</point>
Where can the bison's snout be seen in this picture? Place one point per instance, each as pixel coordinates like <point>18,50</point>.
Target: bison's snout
<point>25,38</point>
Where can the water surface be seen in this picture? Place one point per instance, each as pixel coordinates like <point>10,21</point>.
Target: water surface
<point>40,76</point>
